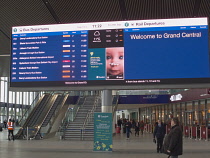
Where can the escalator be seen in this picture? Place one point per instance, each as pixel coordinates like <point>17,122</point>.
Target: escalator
<point>52,110</point>
<point>34,115</point>
<point>45,118</point>
<point>47,122</point>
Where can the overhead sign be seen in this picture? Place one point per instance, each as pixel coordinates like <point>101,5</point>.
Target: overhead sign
<point>140,52</point>
<point>143,99</point>
<point>176,97</point>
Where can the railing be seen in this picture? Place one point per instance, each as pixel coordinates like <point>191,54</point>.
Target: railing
<point>89,116</point>
<point>56,112</point>
<point>67,118</point>
<point>115,104</point>
<point>28,132</point>
<point>70,116</point>
<point>40,125</point>
<point>149,128</point>
<point>76,109</point>
<point>196,132</point>
<point>25,123</point>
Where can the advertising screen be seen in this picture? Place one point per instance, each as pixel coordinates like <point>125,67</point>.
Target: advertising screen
<point>161,51</point>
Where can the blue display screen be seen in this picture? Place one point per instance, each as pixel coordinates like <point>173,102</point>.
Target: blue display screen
<point>127,56</point>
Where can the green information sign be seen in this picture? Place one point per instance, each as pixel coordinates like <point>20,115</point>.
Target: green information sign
<point>97,64</point>
<point>102,132</point>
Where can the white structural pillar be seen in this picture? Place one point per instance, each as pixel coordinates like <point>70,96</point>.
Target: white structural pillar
<point>106,99</point>
<point>106,102</point>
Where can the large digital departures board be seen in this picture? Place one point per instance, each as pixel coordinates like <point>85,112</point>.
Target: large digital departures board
<point>164,51</point>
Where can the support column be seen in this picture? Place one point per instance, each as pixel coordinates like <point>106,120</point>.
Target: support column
<point>7,99</point>
<point>21,102</point>
<point>199,113</point>
<point>180,113</point>
<point>106,106</point>
<point>106,100</point>
<point>185,114</point>
<point>206,111</point>
<point>15,106</point>
<point>193,113</point>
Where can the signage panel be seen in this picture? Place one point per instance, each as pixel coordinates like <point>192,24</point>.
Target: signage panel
<point>162,51</point>
<point>102,132</point>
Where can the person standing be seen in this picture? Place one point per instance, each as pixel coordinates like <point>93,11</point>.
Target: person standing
<point>13,120</point>
<point>159,134</point>
<point>173,143</point>
<point>124,125</point>
<point>128,126</point>
<point>119,123</point>
<point>5,124</point>
<point>137,127</point>
<point>133,123</point>
<point>142,127</point>
<point>10,126</point>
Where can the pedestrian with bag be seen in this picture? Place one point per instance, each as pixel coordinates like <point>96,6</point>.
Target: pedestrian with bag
<point>173,143</point>
<point>159,134</point>
<point>119,123</point>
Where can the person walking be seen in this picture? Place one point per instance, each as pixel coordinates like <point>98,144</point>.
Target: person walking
<point>173,143</point>
<point>159,134</point>
<point>128,126</point>
<point>10,126</point>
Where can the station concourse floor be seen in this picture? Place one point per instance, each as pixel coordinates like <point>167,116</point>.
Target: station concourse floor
<point>135,147</point>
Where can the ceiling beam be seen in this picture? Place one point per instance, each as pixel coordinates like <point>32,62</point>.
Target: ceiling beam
<point>196,8</point>
<point>123,9</point>
<point>52,11</point>
<point>5,34</point>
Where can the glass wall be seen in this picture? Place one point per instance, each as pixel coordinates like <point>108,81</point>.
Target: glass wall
<point>14,104</point>
<point>202,112</point>
<point>191,113</point>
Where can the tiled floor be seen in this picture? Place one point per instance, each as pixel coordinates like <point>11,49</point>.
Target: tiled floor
<point>136,147</point>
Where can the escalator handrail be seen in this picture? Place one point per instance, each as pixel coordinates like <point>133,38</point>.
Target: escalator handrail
<point>40,117</point>
<point>27,111</point>
<point>57,110</point>
<point>30,116</point>
<point>55,96</point>
<point>89,115</point>
<point>34,109</point>
<point>42,109</point>
<point>62,104</point>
